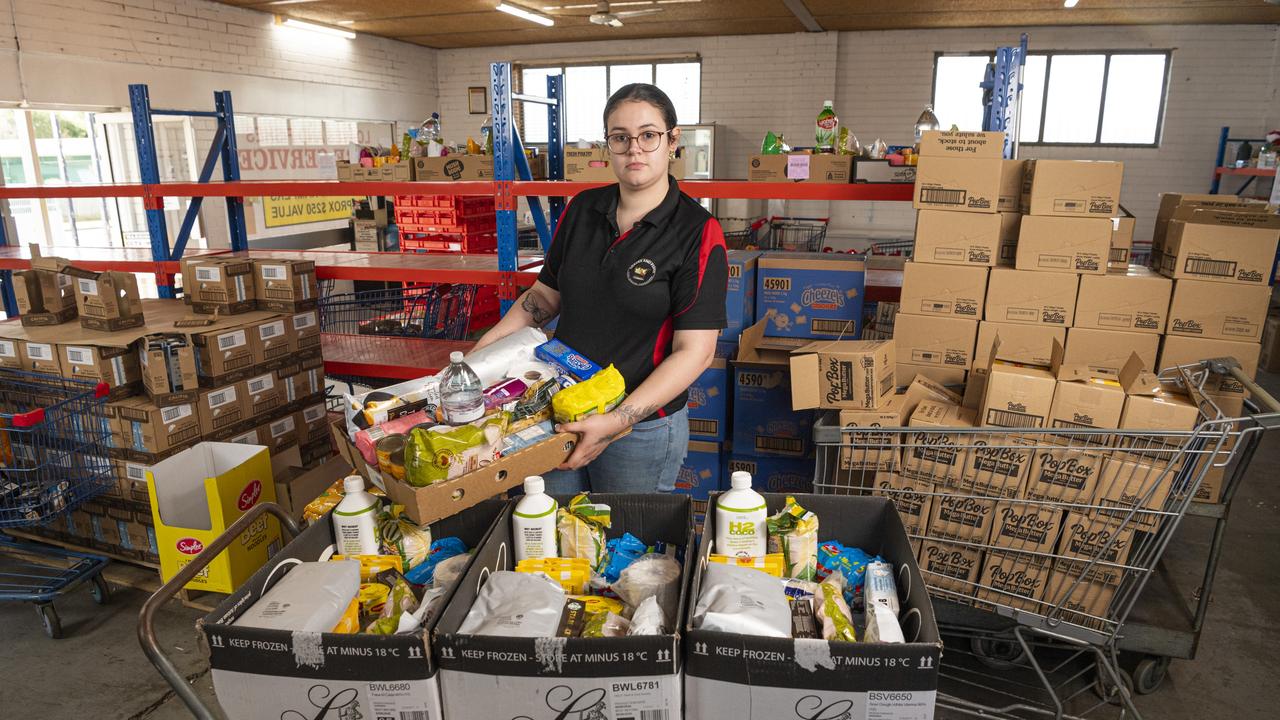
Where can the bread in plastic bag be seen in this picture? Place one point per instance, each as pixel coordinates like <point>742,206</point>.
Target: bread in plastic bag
<point>653,575</point>
<point>647,619</point>
<point>741,600</point>
<point>513,604</point>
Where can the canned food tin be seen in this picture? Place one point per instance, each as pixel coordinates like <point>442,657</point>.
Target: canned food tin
<point>390,452</point>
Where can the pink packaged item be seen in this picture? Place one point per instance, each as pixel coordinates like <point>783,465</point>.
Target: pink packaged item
<point>366,439</point>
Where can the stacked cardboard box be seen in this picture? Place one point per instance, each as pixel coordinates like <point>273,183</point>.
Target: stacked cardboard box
<point>967,197</point>
<point>740,411</point>
<point>179,379</point>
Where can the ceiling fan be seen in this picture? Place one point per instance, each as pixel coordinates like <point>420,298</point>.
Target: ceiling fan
<point>603,14</point>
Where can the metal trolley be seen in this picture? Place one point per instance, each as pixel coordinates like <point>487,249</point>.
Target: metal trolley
<point>1038,543</point>
<point>426,311</point>
<point>53,456</point>
<point>794,234</point>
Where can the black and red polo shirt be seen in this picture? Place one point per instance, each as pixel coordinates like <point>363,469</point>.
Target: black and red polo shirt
<point>623,295</point>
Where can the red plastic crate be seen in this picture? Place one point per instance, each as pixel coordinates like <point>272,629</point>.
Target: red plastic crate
<point>482,321</point>
<point>437,224</point>
<point>470,243</point>
<point>467,204</point>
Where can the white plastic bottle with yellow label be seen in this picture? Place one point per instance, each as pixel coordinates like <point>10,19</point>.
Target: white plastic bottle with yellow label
<point>740,519</point>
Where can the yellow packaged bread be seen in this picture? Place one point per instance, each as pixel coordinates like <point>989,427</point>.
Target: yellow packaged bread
<point>572,573</point>
<point>597,395</point>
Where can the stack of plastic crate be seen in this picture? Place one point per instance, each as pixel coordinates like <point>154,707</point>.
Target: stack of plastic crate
<point>447,223</point>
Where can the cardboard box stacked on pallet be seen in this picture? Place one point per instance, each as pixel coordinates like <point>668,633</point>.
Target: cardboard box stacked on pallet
<point>238,374</point>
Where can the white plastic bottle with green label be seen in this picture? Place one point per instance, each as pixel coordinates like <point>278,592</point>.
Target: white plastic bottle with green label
<point>740,519</point>
<point>355,526</point>
<point>533,522</point>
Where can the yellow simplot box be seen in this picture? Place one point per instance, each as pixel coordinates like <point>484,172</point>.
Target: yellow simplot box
<point>196,495</point>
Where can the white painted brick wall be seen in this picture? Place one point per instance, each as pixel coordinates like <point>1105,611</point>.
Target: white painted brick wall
<point>191,47</point>
<point>84,52</point>
<point>1221,75</point>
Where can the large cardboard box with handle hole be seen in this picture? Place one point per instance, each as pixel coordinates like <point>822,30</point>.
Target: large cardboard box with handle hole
<point>196,495</point>
<point>749,677</point>
<point>260,673</point>
<point>485,677</point>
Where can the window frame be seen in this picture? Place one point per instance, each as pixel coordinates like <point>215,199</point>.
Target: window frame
<point>518,68</point>
<point>1102,101</point>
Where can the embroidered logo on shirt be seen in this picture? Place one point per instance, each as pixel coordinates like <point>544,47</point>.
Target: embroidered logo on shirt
<point>642,272</point>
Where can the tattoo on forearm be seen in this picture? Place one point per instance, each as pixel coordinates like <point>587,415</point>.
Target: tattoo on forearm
<point>531,304</point>
<point>632,414</point>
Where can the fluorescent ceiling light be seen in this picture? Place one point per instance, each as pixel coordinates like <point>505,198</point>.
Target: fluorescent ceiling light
<point>526,14</point>
<point>314,27</point>
<point>1070,3</point>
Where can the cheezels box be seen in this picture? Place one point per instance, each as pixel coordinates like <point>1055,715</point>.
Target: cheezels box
<point>748,677</point>
<point>487,677</point>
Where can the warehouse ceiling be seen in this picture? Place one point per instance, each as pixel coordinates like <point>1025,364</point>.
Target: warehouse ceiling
<point>477,23</point>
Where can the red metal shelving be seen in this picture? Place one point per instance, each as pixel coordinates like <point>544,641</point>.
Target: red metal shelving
<point>1253,171</point>
<point>395,358</point>
<point>898,192</point>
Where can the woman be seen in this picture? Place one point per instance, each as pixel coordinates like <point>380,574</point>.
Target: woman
<point>637,274</point>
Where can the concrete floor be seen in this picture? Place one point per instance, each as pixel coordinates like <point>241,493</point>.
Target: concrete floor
<point>99,670</point>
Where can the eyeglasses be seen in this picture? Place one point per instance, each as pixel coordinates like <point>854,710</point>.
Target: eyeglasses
<point>649,140</point>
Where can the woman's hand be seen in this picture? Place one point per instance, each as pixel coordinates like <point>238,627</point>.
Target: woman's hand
<point>594,435</point>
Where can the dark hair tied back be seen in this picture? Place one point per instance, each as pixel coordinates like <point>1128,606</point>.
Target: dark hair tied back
<point>643,92</point>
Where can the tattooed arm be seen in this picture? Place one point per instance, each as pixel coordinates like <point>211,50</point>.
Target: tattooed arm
<point>691,353</point>
<point>538,306</point>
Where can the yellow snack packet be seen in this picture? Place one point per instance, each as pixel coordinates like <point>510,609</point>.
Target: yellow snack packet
<point>593,604</point>
<point>371,565</point>
<point>597,395</point>
<point>349,624</point>
<point>772,563</point>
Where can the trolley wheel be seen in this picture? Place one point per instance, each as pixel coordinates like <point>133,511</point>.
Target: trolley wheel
<point>49,619</point>
<point>998,653</point>
<point>1107,690</point>
<point>1150,673</point>
<point>101,590</point>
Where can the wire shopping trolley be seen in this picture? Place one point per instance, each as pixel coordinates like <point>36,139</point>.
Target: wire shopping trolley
<point>795,234</point>
<point>1037,543</point>
<point>54,436</point>
<point>436,311</point>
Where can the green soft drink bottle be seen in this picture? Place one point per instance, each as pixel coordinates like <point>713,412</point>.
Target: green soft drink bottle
<point>828,126</point>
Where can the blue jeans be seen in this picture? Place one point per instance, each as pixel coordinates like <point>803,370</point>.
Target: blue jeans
<point>645,461</point>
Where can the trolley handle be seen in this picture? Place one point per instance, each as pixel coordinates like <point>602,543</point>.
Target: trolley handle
<point>1230,366</point>
<point>146,618</point>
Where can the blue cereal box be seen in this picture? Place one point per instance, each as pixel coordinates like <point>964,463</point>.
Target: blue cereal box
<point>709,398</point>
<point>701,474</point>
<point>740,301</point>
<point>810,295</point>
<point>763,421</point>
<point>771,474</point>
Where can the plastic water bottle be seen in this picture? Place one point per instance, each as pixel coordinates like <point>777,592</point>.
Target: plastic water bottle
<point>827,128</point>
<point>429,135</point>
<point>926,122</point>
<point>486,135</point>
<point>461,392</point>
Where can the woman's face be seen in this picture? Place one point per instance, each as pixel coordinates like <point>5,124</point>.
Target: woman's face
<point>638,168</point>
